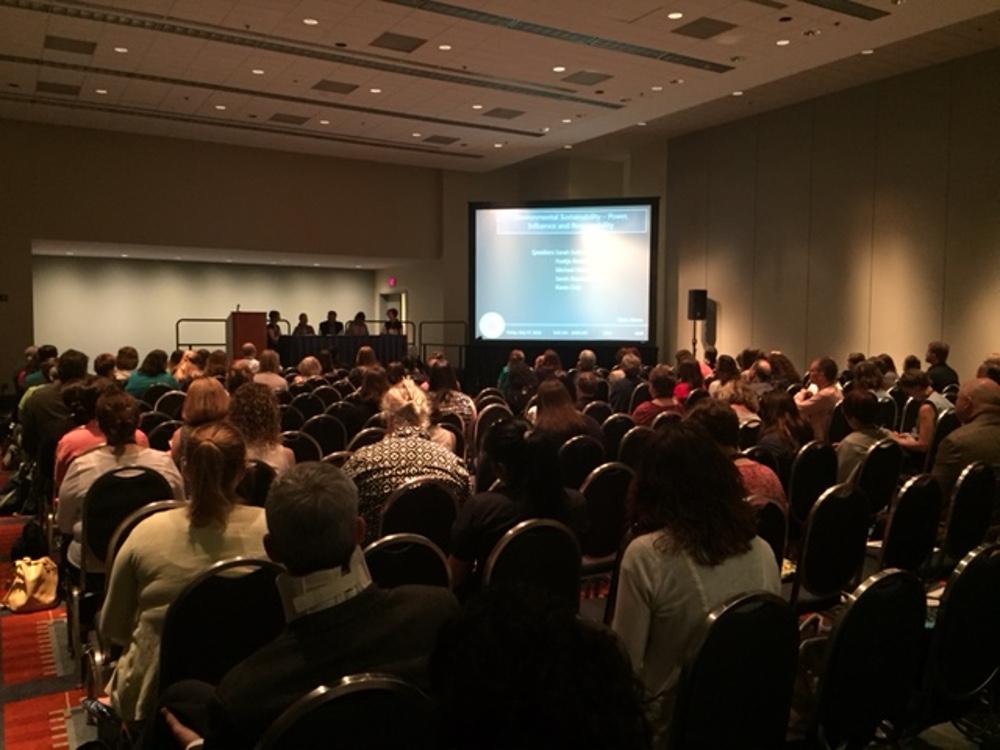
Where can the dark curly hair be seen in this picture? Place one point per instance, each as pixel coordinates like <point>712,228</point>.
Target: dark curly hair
<point>253,410</point>
<point>687,486</point>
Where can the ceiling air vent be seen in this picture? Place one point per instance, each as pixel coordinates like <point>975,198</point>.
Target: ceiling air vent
<point>65,44</point>
<point>440,140</point>
<point>704,28</point>
<point>335,87</point>
<point>289,119</point>
<point>503,113</point>
<point>586,78</point>
<point>398,42</point>
<point>47,87</point>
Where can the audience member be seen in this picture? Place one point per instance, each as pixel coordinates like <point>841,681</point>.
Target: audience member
<point>990,368</point>
<point>783,372</point>
<point>549,365</point>
<point>939,372</point>
<point>248,358</point>
<point>867,375</point>
<point>620,395</point>
<point>217,364</point>
<point>358,326</point>
<point>44,415</point>
<point>368,398</point>
<point>253,410</point>
<point>521,385</point>
<point>446,397</point>
<point>725,371</point>
<point>303,328</point>
<point>586,361</point>
<point>516,355</point>
<point>557,419</point>
<point>853,360</point>
<point>30,365</point>
<point>888,368</point>
<point>760,377</point>
<point>689,378</point>
<point>917,385</point>
<point>206,401</point>
<point>188,370</point>
<point>309,368</point>
<point>912,362</point>
<point>270,371</point>
<point>782,431</point>
<point>711,358</point>
<point>742,399</point>
<point>586,389</point>
<point>37,377</point>
<point>661,388</point>
<point>861,412</point>
<point>331,326</point>
<point>104,365</point>
<point>165,551</point>
<point>978,439</point>
<point>273,329</point>
<point>817,407</point>
<point>153,370</point>
<point>685,354</point>
<point>696,547</point>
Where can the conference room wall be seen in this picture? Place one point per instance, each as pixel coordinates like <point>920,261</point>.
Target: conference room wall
<point>864,220</point>
<point>97,305</point>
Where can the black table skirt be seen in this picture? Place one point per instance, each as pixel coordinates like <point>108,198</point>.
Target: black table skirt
<point>388,348</point>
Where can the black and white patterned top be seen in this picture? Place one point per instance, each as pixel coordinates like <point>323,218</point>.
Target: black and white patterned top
<point>407,453</point>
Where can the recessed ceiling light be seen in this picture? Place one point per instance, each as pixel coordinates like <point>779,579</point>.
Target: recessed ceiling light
<point>783,42</point>
<point>229,260</point>
<point>559,69</point>
<point>221,107</point>
<point>566,121</point>
<point>375,91</point>
<point>656,88</point>
<point>477,106</point>
<point>324,122</point>
<point>444,47</point>
<point>100,91</point>
<point>867,52</point>
<point>257,72</point>
<point>737,93</point>
<point>121,50</point>
<point>177,257</point>
<point>357,266</point>
<point>567,147</point>
<point>415,135</point>
<point>677,81</point>
<point>310,21</point>
<point>641,124</point>
<point>315,265</point>
<point>69,252</point>
<point>497,145</point>
<point>124,255</point>
<point>675,16</point>
<point>546,130</point>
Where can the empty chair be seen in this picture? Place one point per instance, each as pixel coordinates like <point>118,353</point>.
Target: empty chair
<point>772,525</point>
<point>813,471</point>
<point>538,553</point>
<point>327,431</point>
<point>762,456</point>
<point>899,397</point>
<point>490,398</point>
<point>291,418</point>
<point>872,659</point>
<point>400,559</point>
<point>308,405</point>
<point>947,422</point>
<point>879,472</point>
<point>970,511</point>
<point>160,436</point>
<point>302,445</point>
<point>226,613</point>
<point>171,403</point>
<point>886,413</point>
<point>633,445</point>
<point>344,387</point>
<point>349,415</point>
<point>749,432</point>
<point>614,429</point>
<point>490,391</point>
<point>150,420</point>
<point>640,394</point>
<point>255,483</point>
<point>736,689</point>
<point>422,506</point>
<point>327,394</point>
<point>913,524</point>
<point>605,492</point>
<point>489,416</point>
<point>151,394</point>
<point>839,429</point>
<point>338,458</point>
<point>366,712</point>
<point>579,456</point>
<point>833,550</point>
<point>367,436</point>
<point>598,410</point>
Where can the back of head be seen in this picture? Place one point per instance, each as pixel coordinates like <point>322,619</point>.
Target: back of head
<point>726,369</point>
<point>442,376</point>
<point>586,384</point>
<point>556,410</point>
<point>525,463</point>
<point>868,376</point>
<point>586,361</point>
<point>72,366</point>
<point>738,393</point>
<point>828,368</point>
<point>990,369</point>
<point>516,355</point>
<point>406,405</point>
<point>154,363</point>
<point>269,361</point>
<point>206,401</point>
<point>214,462</point>
<point>253,410</point>
<point>312,512</point>
<point>939,350</point>
<point>662,381</point>
<point>912,362</point>
<point>776,406</point>
<point>977,396</point>
<point>218,363</point>
<point>248,351</point>
<point>104,365</point>
<point>47,351</point>
<point>81,398</point>
<point>118,416</point>
<point>374,384</point>
<point>762,371</point>
<point>782,368</point>
<point>365,356</point>
<point>310,367</point>
<point>854,359</point>
<point>885,363</point>
<point>711,355</point>
<point>689,371</point>
<point>914,380</point>
<point>631,365</point>
<point>718,419</point>
<point>861,406</point>
<point>551,360</point>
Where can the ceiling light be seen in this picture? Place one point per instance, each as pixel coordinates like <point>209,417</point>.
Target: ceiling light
<point>497,145</point>
<point>257,72</point>
<point>310,21</point>
<point>124,255</point>
<point>559,69</point>
<point>324,122</point>
<point>641,124</point>
<point>783,42</point>
<point>675,16</point>
<point>415,135</point>
<point>221,107</point>
<point>566,121</point>
<point>477,106</point>
<point>69,252</point>
<point>315,265</point>
<point>867,52</point>
<point>444,47</point>
<point>656,88</point>
<point>229,260</point>
<point>546,130</point>
<point>375,91</point>
<point>357,266</point>
<point>737,93</point>
<point>177,257</point>
<point>121,50</point>
<point>100,91</point>
<point>567,147</point>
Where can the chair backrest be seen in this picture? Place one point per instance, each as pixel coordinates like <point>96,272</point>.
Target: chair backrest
<point>489,391</point>
<point>579,456</point>
<point>947,422</point>
<point>482,402</point>
<point>327,394</point>
<point>971,509</point>
<point>614,429</point>
<point>112,498</point>
<point>159,437</point>
<point>349,415</point>
<point>887,410</point>
<point>964,652</point>
<point>458,432</point>
<point>879,472</point>
<point>839,429</point>
<point>151,394</point>
<point>735,689</point>
<point>910,412</point>
<point>424,506</point>
<point>640,394</point>
<point>218,619</point>
<point>367,436</point>
<point>148,421</point>
<point>598,410</point>
<point>813,471</point>
<point>913,525</point>
<point>379,419</point>
<point>400,559</point>
<point>605,491</point>
<point>609,606</point>
<point>452,418</point>
<point>308,405</point>
<point>772,525</point>
<point>603,391</point>
<point>328,431</point>
<point>256,482</point>
<point>488,417</point>
<point>834,546</point>
<point>171,403</point>
<point>762,456</point>
<point>131,521</point>
<point>899,397</point>
<point>338,458</point>
<point>302,445</point>
<point>364,712</point>
<point>538,553</point>
<point>633,445</point>
<point>872,659</point>
<point>749,432</point>
<point>666,418</point>
<point>291,418</point>
<point>344,387</point>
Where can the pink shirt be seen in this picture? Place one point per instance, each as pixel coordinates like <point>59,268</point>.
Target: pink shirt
<point>760,480</point>
<point>80,440</point>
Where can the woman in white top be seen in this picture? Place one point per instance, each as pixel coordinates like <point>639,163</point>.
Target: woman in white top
<point>166,551</point>
<point>696,547</point>
<point>253,410</point>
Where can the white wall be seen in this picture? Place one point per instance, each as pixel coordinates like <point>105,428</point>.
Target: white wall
<point>96,305</point>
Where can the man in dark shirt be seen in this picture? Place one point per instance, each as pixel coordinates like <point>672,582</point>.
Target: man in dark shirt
<point>339,622</point>
<point>331,326</point>
<point>939,372</point>
<point>621,389</point>
<point>45,417</point>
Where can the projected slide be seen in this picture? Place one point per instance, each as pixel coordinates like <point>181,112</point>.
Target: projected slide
<point>563,273</point>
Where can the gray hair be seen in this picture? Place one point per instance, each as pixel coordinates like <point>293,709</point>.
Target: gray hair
<point>587,360</point>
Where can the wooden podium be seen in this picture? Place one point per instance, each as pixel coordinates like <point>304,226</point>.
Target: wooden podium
<point>243,327</point>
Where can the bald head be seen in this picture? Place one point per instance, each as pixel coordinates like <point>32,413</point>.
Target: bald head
<point>977,396</point>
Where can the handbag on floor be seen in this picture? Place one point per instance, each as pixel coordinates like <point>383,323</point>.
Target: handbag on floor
<point>35,585</point>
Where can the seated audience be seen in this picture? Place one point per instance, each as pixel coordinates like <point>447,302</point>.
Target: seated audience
<point>152,370</point>
<point>887,366</point>
<point>861,413</point>
<point>248,358</point>
<point>557,419</point>
<point>513,672</point>
<point>696,547</point>
<point>586,361</point>
<point>917,385</point>
<point>783,372</point>
<point>406,452</point>
<point>446,397</point>
<point>43,412</point>
<point>868,376</point>
<point>253,410</point>
<point>37,376</point>
<point>548,365</point>
<point>217,364</point>
<point>742,399</point>
<point>364,359</point>
<point>990,368</point>
<point>303,328</point>
<point>620,393</point>
<point>516,355</point>
<point>104,365</point>
<point>358,326</point>
<point>368,398</point>
<point>782,431</point>
<point>164,552</point>
<point>661,388</point>
<point>816,403</point>
<point>939,372</point>
<point>760,377</point>
<point>29,367</point>
<point>726,371</point>
<point>586,389</point>
<point>529,489</point>
<point>689,378</point>
<point>117,416</point>
<point>912,362</point>
<point>853,360</point>
<point>308,368</point>
<point>719,420</point>
<point>270,371</point>
<point>188,370</point>
<point>521,386</point>
<point>207,401</point>
<point>339,622</point>
<point>978,439</point>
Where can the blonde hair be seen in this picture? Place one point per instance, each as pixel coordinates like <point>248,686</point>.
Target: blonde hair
<point>406,402</point>
<point>187,368</point>
<point>214,460</point>
<point>207,401</point>
<point>310,367</point>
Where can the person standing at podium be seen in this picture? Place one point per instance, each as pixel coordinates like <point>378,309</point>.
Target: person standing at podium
<point>331,326</point>
<point>273,329</point>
